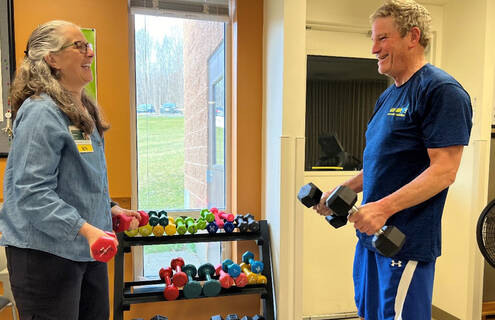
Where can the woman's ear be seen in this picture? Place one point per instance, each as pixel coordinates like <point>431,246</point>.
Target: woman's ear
<point>51,60</point>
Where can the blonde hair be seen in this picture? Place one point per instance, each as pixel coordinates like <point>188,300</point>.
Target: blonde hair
<point>35,76</point>
<point>407,14</point>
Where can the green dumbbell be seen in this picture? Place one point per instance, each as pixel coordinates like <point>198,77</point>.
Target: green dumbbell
<point>201,223</point>
<point>181,225</point>
<point>207,215</point>
<point>191,225</point>
<point>193,288</point>
<point>163,218</point>
<point>154,218</point>
<point>211,287</point>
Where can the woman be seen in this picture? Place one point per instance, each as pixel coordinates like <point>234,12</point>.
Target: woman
<point>56,200</point>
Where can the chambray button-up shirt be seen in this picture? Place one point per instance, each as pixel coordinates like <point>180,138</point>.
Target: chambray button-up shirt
<point>50,188</point>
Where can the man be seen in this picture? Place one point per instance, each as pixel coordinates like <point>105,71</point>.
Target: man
<point>414,143</point>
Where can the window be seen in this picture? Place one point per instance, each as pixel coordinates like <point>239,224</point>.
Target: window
<point>180,127</point>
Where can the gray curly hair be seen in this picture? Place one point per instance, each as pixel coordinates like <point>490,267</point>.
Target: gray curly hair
<point>407,14</point>
<point>34,77</point>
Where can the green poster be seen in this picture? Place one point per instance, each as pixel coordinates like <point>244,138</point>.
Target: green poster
<point>90,35</point>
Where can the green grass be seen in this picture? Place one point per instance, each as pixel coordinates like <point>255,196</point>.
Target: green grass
<point>160,162</point>
<point>161,169</point>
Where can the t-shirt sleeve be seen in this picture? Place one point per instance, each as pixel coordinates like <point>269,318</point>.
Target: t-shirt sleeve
<point>447,118</point>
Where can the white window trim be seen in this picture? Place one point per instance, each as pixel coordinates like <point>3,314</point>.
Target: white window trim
<point>137,251</point>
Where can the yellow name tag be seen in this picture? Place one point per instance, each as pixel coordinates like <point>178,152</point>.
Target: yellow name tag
<point>83,141</point>
<point>83,147</point>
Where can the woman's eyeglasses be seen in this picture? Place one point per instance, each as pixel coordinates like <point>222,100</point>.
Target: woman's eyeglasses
<point>79,45</point>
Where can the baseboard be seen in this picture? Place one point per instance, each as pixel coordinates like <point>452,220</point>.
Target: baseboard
<point>439,314</point>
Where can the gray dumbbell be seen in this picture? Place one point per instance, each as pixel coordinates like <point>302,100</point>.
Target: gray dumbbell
<point>388,240</point>
<point>310,195</point>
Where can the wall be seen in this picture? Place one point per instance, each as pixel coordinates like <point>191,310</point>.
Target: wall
<point>284,70</point>
<point>201,39</point>
<point>489,271</point>
<point>113,76</point>
<point>469,194</point>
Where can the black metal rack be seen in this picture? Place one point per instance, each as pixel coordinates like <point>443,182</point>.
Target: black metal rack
<point>152,290</point>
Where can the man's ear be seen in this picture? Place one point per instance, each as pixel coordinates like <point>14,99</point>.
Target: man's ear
<point>415,34</point>
<point>51,60</point>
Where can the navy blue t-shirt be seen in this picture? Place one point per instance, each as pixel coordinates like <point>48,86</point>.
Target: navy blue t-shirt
<point>430,110</point>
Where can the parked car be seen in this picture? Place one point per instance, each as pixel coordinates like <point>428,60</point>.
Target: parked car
<point>169,108</point>
<point>145,108</point>
<point>219,112</point>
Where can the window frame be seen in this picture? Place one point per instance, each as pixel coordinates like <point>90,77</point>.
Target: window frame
<point>226,247</point>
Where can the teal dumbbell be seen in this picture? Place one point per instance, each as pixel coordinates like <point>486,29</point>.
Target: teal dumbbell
<point>233,269</point>
<point>256,266</point>
<point>163,218</point>
<point>154,218</point>
<point>193,288</point>
<point>211,287</point>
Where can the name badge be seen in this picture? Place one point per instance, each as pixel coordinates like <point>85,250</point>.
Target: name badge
<point>82,140</point>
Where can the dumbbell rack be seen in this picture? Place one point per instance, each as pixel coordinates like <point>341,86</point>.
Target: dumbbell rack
<point>124,295</point>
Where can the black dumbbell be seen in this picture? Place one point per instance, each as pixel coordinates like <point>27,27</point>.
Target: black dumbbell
<point>388,240</point>
<point>256,317</point>
<point>241,223</point>
<point>253,225</point>
<point>310,195</point>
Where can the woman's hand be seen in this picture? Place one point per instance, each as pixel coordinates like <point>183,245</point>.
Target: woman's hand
<point>136,217</point>
<point>92,234</point>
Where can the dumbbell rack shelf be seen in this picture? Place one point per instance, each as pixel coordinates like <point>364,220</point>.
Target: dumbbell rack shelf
<point>124,296</point>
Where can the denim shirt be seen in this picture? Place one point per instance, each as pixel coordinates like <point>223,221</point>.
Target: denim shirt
<point>50,188</point>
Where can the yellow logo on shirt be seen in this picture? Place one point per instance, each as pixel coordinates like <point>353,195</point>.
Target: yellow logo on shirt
<point>398,112</point>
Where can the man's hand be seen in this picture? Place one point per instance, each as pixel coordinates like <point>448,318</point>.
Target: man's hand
<point>321,208</point>
<point>136,217</point>
<point>370,218</point>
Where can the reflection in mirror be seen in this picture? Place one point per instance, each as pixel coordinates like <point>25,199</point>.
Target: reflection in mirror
<point>340,97</point>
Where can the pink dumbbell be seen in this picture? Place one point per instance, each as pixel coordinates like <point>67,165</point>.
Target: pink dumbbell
<point>225,279</point>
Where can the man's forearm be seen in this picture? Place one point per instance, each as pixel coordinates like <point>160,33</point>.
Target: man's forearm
<point>430,182</point>
<point>355,183</point>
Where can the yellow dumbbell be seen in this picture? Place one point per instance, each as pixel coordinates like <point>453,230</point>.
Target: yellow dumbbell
<point>170,229</point>
<point>158,230</point>
<point>251,276</point>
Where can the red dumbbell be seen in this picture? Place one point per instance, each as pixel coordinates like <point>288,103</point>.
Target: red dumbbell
<point>179,278</point>
<point>226,216</point>
<point>121,222</point>
<point>104,248</point>
<point>241,280</point>
<point>171,292</point>
<point>225,279</point>
<point>145,218</point>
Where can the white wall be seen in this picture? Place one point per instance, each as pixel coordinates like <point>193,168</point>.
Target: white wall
<point>284,70</point>
<point>461,46</point>
<point>469,56</point>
